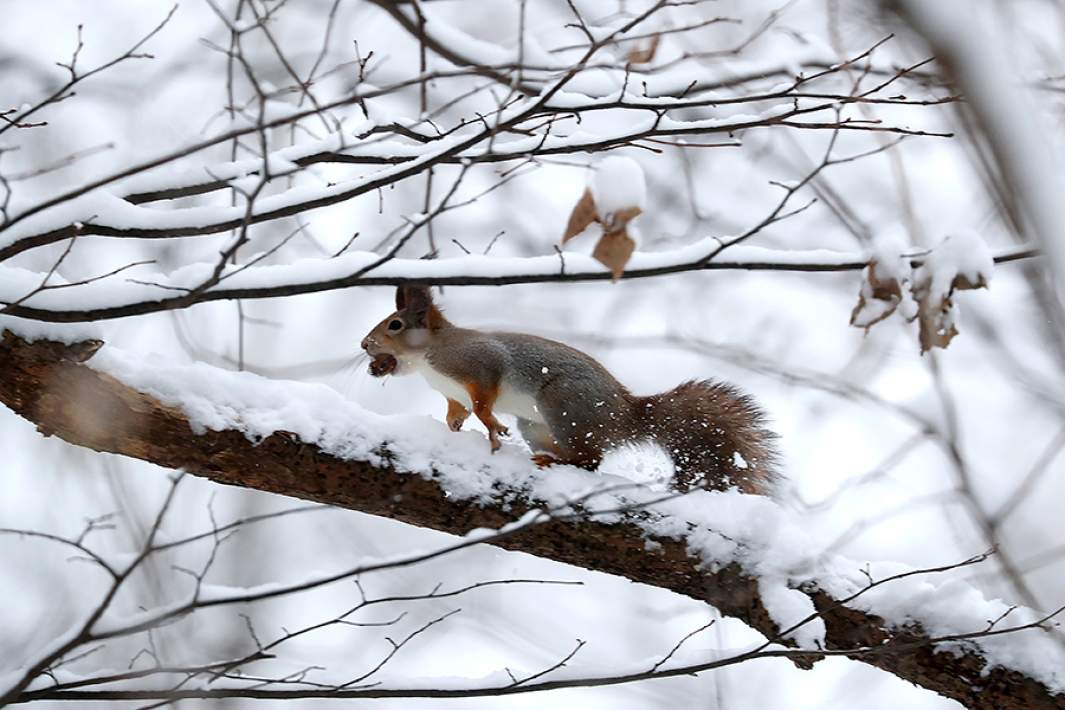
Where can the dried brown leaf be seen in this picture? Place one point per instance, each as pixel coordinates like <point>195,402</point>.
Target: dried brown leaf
<point>583,214</point>
<point>935,319</point>
<point>877,300</point>
<point>935,311</point>
<point>642,55</point>
<point>962,283</point>
<point>614,250</point>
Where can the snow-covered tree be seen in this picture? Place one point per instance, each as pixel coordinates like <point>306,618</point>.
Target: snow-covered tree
<point>847,208</point>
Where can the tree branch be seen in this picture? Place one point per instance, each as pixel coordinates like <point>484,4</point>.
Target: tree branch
<point>455,271</point>
<point>49,384</point>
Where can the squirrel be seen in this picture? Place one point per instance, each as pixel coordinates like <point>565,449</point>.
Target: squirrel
<point>570,409</point>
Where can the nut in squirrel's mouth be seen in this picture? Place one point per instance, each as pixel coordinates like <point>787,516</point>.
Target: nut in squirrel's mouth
<point>383,364</point>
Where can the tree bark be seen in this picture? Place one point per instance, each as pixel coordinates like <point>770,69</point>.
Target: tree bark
<point>37,379</point>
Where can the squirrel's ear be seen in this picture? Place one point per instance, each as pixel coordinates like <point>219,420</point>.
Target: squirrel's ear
<point>416,301</point>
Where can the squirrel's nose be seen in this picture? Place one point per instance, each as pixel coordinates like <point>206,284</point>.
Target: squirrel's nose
<point>365,343</point>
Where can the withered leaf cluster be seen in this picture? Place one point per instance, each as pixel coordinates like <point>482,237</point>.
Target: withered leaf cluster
<point>615,246</point>
<point>920,291</point>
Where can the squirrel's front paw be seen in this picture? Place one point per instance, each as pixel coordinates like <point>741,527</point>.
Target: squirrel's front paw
<point>456,415</point>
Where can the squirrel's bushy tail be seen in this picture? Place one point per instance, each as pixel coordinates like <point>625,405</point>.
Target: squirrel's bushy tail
<point>715,434</point>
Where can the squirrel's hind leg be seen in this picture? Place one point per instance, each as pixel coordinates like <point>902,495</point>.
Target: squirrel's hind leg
<point>575,441</point>
<point>483,398</point>
<point>548,452</point>
<point>537,436</point>
<point>545,451</point>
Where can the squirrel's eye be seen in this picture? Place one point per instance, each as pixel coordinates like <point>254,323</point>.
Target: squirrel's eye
<point>395,324</point>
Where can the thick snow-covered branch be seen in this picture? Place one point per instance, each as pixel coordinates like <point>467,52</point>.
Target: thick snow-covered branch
<point>743,554</point>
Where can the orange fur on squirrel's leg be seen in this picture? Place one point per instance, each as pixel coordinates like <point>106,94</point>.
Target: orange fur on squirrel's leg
<point>483,398</point>
<point>456,414</point>
<point>588,460</point>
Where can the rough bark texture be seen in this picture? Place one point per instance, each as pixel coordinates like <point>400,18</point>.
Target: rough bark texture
<point>36,380</point>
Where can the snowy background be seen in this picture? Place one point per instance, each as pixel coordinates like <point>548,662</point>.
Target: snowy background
<point>889,455</point>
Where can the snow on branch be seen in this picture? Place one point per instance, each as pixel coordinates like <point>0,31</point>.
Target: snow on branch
<point>526,125</point>
<point>143,291</point>
<point>745,555</point>
<point>103,214</point>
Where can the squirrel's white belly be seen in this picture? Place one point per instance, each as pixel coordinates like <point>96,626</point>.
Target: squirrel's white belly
<point>509,400</point>
<point>445,385</point>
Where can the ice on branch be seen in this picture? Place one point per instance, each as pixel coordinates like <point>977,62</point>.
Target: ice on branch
<point>616,194</point>
<point>921,287</point>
